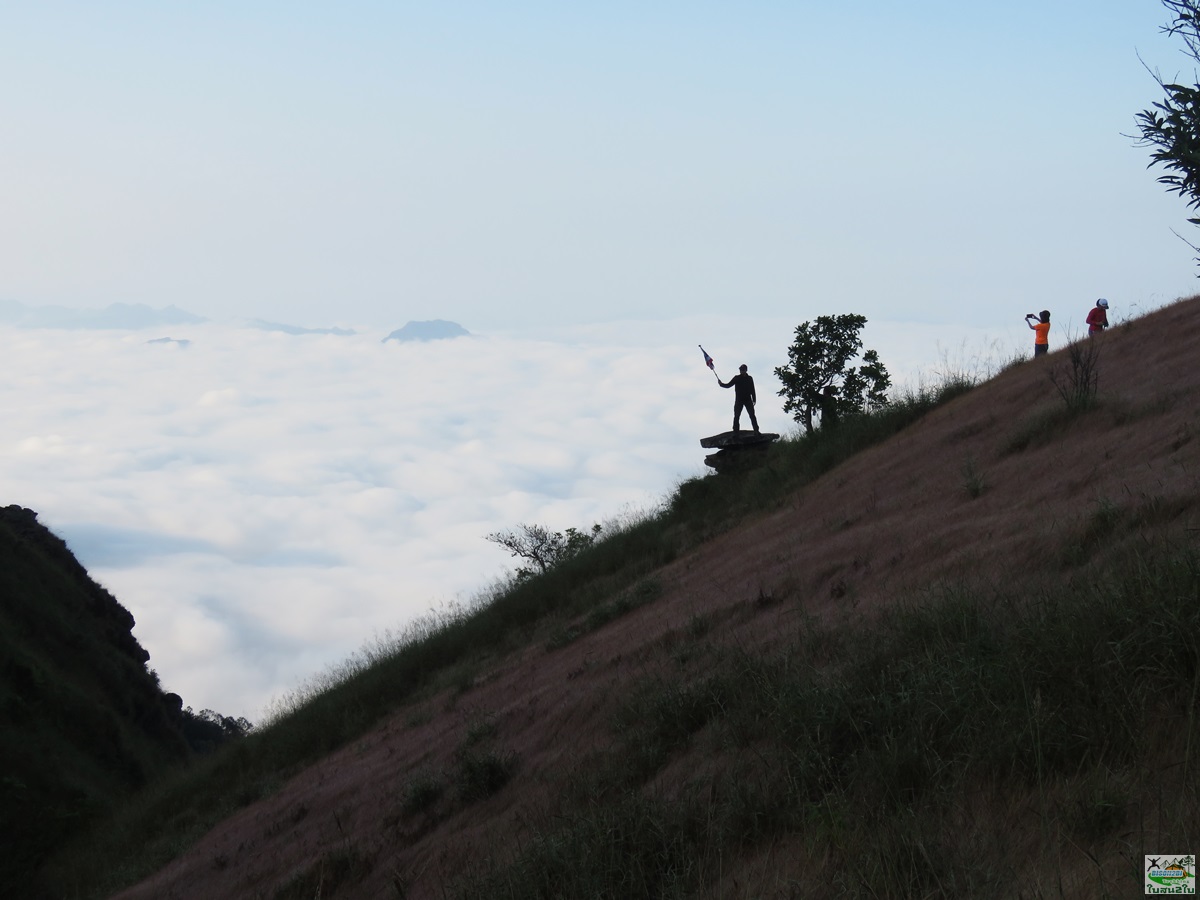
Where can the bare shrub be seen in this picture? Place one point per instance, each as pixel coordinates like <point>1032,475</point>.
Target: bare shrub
<point>1078,379</point>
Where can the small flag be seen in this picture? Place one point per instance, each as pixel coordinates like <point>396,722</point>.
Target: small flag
<point>708,360</point>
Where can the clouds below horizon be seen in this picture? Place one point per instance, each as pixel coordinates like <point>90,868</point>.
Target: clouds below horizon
<point>264,503</point>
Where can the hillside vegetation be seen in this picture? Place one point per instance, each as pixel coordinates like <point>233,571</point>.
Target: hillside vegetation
<point>948,650</point>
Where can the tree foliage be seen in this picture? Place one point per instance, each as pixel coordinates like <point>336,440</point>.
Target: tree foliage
<point>542,547</point>
<point>819,383</point>
<point>208,729</point>
<point>1172,127</point>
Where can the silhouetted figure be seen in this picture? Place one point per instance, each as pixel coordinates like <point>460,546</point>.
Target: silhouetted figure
<point>743,396</point>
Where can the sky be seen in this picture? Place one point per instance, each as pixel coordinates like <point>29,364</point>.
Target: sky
<point>513,164</point>
<point>590,189</point>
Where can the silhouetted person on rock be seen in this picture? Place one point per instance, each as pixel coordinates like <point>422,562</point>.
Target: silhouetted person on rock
<point>743,396</point>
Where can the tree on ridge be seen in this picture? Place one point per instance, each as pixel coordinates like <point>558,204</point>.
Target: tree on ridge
<point>818,382</point>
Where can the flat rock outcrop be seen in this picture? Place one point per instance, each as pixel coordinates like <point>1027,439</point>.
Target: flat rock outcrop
<point>736,448</point>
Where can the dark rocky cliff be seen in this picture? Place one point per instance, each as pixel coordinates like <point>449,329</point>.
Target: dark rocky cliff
<point>85,722</point>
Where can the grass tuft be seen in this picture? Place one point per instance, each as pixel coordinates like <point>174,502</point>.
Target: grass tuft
<point>479,773</point>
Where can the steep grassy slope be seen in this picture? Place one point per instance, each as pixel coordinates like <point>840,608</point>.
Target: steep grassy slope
<point>962,663</point>
<point>85,722</point>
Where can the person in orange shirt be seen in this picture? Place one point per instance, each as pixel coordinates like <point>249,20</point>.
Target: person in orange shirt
<point>1041,331</point>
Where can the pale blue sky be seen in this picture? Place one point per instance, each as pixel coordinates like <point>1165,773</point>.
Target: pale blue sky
<point>506,165</point>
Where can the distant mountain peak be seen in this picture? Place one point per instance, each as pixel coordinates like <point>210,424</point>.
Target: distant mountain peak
<point>431,330</point>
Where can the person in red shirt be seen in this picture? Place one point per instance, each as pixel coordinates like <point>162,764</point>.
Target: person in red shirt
<point>1041,331</point>
<point>1097,317</point>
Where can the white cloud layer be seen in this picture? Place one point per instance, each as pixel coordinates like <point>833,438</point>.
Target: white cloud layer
<point>263,503</point>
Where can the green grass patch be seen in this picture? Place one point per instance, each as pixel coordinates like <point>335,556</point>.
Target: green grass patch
<point>644,592</point>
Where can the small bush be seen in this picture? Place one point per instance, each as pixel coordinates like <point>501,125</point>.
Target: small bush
<point>480,729</point>
<point>1078,379</point>
<point>1097,527</point>
<point>973,479</point>
<point>422,792</point>
<point>481,773</point>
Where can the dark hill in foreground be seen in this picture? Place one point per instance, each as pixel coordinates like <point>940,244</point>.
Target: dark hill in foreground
<point>85,721</point>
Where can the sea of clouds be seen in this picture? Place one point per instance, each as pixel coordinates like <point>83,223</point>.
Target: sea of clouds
<point>265,503</point>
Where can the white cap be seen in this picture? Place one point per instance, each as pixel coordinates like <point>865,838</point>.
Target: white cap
<point>1102,302</point>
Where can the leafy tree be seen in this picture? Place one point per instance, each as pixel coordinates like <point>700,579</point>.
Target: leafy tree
<point>208,729</point>
<point>818,380</point>
<point>1172,127</point>
<point>544,548</point>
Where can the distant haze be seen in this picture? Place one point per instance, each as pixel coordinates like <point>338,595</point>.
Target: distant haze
<point>117,316</point>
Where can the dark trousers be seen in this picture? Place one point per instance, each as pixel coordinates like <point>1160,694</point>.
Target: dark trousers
<point>1039,349</point>
<point>738,404</point>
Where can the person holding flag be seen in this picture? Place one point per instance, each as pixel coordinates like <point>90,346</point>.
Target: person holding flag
<point>743,396</point>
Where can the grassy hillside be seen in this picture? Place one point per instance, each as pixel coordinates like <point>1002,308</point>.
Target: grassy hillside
<point>85,722</point>
<point>949,650</point>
